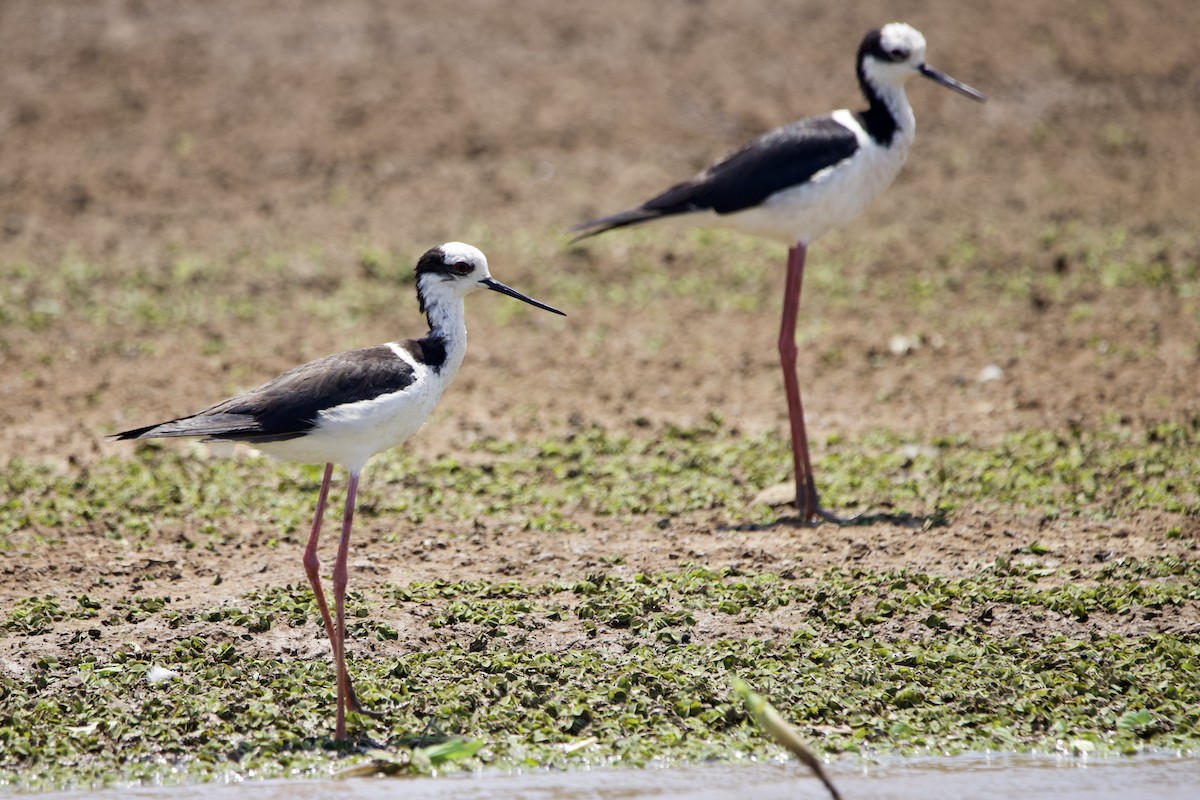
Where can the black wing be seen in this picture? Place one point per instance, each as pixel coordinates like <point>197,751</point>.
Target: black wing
<point>783,158</point>
<point>287,407</point>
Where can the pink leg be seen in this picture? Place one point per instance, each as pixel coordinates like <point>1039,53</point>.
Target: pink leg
<point>806,490</point>
<point>340,578</point>
<point>312,566</point>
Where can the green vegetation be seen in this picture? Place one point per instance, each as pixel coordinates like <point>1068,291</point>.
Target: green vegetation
<point>871,660</point>
<point>842,678</point>
<point>721,270</point>
<point>725,270</point>
<point>545,484</point>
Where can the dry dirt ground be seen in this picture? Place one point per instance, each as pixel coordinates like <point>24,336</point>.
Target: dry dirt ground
<point>133,132</point>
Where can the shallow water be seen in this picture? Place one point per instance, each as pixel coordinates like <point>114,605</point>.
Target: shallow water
<point>971,776</point>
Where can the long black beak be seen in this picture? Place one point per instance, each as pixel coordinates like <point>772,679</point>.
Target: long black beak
<point>950,83</point>
<point>497,286</point>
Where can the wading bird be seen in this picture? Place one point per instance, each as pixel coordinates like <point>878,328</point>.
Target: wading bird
<point>345,408</point>
<point>798,183</point>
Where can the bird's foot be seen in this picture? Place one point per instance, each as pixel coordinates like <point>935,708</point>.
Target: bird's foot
<point>357,707</point>
<point>816,514</point>
<point>784,495</point>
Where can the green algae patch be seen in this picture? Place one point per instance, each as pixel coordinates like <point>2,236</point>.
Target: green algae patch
<point>545,485</point>
<point>610,664</point>
<point>201,709</point>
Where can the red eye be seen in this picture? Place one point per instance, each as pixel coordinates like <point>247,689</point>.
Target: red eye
<point>462,267</point>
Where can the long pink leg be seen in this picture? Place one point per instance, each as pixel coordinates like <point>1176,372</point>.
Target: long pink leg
<point>340,578</point>
<point>312,566</point>
<point>806,490</point>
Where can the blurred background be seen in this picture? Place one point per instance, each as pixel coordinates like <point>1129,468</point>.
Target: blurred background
<point>194,196</point>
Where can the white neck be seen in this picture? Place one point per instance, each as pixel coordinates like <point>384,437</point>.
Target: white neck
<point>889,116</point>
<point>897,102</point>
<point>447,316</point>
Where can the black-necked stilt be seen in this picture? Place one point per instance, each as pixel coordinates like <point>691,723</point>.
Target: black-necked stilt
<point>801,181</point>
<point>345,408</point>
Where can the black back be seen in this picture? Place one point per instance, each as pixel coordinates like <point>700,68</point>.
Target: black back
<point>288,406</point>
<point>783,158</point>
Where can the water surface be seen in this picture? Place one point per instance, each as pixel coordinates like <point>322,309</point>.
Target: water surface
<point>1022,777</point>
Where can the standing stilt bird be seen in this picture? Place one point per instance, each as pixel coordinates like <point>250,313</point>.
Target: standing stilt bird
<point>801,181</point>
<point>345,408</point>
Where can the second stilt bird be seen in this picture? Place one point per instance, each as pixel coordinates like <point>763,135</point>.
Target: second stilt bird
<point>801,181</point>
<point>345,408</point>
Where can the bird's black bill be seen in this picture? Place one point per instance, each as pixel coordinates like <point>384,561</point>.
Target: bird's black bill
<point>497,286</point>
<point>950,83</point>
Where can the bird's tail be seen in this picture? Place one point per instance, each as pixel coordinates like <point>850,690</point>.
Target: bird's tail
<point>220,426</point>
<point>630,216</point>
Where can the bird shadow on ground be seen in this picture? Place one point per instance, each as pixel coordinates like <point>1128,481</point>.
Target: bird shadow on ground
<point>900,519</point>
<point>428,736</point>
<point>357,742</point>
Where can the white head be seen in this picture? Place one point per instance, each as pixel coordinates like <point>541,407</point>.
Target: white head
<point>891,55</point>
<point>456,270</point>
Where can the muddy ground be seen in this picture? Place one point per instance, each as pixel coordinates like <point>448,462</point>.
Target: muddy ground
<point>132,132</point>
